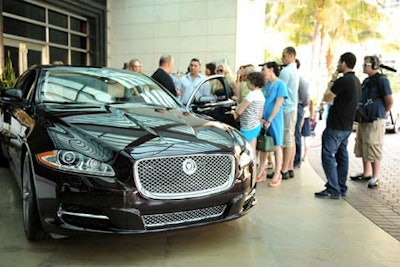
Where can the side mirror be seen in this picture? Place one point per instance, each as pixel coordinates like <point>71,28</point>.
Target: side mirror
<point>207,99</point>
<point>11,94</point>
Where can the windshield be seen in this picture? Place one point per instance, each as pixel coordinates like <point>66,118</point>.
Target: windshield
<point>102,86</point>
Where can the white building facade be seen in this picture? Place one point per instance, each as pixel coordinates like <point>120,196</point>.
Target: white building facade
<point>221,31</point>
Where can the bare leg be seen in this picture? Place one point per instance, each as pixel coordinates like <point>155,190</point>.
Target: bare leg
<point>291,162</point>
<point>270,161</point>
<point>376,167</point>
<point>368,168</point>
<point>263,158</point>
<point>278,163</point>
<point>253,144</point>
<point>305,142</point>
<point>288,153</point>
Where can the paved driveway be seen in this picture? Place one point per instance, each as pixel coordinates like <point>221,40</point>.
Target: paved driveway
<point>382,205</point>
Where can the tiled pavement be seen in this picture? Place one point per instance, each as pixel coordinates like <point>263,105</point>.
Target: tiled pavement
<point>382,205</point>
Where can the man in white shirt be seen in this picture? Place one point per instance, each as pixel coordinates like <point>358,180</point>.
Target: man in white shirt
<point>190,80</point>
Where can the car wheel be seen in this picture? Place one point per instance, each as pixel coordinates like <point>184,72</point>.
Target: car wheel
<point>32,225</point>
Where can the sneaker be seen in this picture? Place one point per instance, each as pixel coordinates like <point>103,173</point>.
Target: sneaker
<point>327,194</point>
<point>360,177</point>
<point>373,183</point>
<point>285,175</point>
<point>291,174</point>
<point>270,175</point>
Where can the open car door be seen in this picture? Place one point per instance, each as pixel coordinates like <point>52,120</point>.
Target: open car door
<point>219,104</point>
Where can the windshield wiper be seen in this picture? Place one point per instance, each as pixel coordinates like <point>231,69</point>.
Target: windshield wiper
<point>63,102</point>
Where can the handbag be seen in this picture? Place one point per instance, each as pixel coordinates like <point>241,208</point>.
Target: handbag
<point>265,143</point>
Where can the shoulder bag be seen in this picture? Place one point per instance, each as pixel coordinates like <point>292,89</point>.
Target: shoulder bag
<point>265,142</point>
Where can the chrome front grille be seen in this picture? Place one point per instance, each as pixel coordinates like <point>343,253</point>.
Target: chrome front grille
<point>190,216</point>
<point>184,176</point>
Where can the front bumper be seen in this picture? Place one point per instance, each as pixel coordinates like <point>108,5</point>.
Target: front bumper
<point>65,208</point>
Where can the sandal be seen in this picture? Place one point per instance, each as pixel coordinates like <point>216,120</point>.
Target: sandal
<point>260,176</point>
<point>273,183</point>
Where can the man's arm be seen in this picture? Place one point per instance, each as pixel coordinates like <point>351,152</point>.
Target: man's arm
<point>388,99</point>
<point>329,95</point>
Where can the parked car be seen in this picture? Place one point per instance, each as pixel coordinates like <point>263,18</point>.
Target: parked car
<point>392,123</point>
<point>105,150</point>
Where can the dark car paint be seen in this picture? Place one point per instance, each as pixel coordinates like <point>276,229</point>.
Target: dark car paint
<point>141,131</point>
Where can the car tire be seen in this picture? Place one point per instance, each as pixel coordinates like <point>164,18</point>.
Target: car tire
<point>31,219</point>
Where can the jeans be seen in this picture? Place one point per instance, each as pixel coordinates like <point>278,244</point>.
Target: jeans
<point>335,159</point>
<point>297,135</point>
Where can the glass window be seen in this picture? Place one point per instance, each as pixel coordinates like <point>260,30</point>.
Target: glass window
<point>58,19</point>
<point>24,9</point>
<point>56,28</point>
<point>78,58</point>
<point>25,82</point>
<point>78,25</point>
<point>58,54</point>
<point>14,58</point>
<point>24,29</point>
<point>34,57</point>
<point>58,37</point>
<point>78,41</point>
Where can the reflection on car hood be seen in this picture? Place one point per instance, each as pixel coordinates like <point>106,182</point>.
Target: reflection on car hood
<point>137,129</point>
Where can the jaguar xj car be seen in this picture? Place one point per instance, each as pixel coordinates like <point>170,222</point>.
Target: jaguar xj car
<point>110,151</point>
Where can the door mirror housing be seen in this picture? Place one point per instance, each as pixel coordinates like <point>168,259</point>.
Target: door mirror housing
<point>12,94</point>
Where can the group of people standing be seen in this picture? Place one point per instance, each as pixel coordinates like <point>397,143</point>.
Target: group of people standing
<point>281,109</point>
<point>275,112</point>
<point>276,100</point>
<point>179,87</point>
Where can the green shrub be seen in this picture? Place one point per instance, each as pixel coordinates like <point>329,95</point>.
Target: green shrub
<point>8,75</point>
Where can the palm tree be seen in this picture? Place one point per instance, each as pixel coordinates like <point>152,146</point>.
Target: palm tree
<point>326,25</point>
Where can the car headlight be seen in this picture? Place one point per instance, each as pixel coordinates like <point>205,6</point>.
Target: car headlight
<point>243,148</point>
<point>245,159</point>
<point>74,162</point>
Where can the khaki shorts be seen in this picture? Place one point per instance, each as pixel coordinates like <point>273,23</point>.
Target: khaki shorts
<point>289,125</point>
<point>369,140</point>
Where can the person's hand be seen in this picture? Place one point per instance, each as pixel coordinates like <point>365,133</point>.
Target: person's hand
<point>335,76</point>
<point>266,124</point>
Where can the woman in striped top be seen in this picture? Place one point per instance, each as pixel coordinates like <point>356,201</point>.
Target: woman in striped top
<point>251,109</point>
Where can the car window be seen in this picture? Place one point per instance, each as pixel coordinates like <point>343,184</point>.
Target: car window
<point>26,82</point>
<point>219,88</point>
<point>72,86</point>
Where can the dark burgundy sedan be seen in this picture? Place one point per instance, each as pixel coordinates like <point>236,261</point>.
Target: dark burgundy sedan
<point>110,151</point>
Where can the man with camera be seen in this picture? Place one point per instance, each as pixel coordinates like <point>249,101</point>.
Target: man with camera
<point>376,101</point>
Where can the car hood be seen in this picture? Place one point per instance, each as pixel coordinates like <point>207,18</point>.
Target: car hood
<point>140,131</point>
